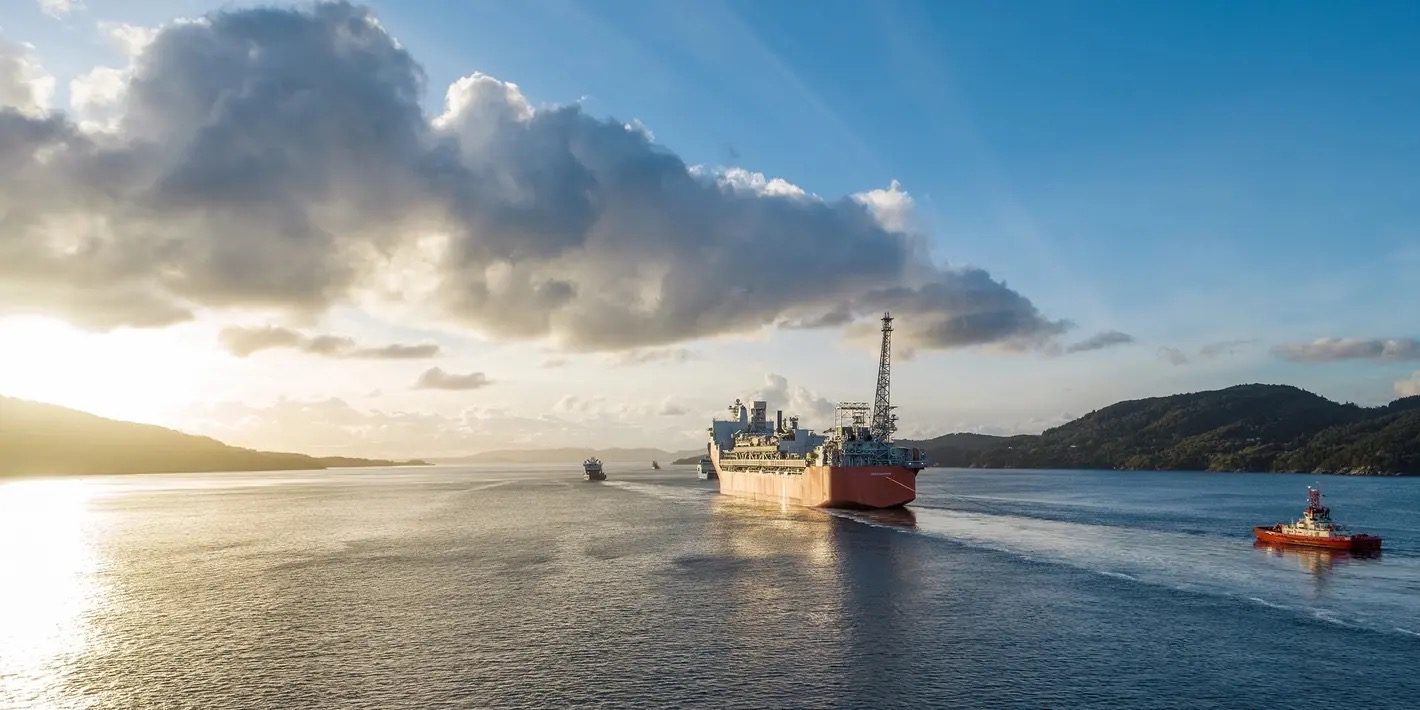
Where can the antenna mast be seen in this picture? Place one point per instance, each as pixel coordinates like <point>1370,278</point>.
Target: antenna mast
<point>884,422</point>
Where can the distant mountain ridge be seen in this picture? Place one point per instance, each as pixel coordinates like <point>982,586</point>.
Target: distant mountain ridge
<point>570,454</point>
<point>1243,428</point>
<point>38,439</point>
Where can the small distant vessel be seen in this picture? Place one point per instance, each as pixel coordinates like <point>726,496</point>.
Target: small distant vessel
<point>592,469</point>
<point>705,470</point>
<point>655,465</point>
<point>1316,529</point>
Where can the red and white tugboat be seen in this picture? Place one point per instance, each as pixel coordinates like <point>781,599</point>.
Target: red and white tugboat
<point>1315,529</point>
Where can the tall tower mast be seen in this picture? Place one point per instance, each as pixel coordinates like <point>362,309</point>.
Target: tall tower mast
<point>884,423</point>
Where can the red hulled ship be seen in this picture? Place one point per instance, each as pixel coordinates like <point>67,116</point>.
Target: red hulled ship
<point>1316,529</point>
<point>853,465</point>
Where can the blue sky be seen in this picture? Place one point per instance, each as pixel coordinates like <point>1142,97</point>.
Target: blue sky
<point>1188,173</point>
<point>1112,158</point>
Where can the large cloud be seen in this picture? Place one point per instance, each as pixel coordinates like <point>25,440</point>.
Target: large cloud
<point>1334,349</point>
<point>280,158</point>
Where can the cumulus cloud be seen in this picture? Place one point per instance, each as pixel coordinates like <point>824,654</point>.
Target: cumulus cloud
<point>132,39</point>
<point>1335,349</point>
<point>747,182</point>
<point>798,400</point>
<point>243,341</point>
<point>281,159</point>
<point>435,378</point>
<point>25,87</point>
<point>96,98</point>
<point>1409,387</point>
<point>892,207</point>
<point>59,8</point>
<point>1100,341</point>
<point>554,362</point>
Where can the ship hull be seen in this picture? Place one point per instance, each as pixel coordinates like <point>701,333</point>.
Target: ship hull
<point>1346,542</point>
<point>825,486</point>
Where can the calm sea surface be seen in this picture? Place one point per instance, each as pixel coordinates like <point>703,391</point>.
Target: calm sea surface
<point>526,587</point>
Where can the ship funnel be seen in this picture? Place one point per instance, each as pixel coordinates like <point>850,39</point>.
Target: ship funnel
<point>758,413</point>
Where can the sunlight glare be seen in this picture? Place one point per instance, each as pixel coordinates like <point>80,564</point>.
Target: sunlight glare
<point>46,547</point>
<point>136,375</point>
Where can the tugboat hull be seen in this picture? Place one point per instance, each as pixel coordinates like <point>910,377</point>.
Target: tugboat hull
<point>1358,543</point>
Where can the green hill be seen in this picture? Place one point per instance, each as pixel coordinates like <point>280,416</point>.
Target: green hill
<point>955,449</point>
<point>1242,428</point>
<point>43,439</point>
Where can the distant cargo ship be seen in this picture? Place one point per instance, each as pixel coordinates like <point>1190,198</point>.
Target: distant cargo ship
<point>1316,529</point>
<point>592,470</point>
<point>854,465</point>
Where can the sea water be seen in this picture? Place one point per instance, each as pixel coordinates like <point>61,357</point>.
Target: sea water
<point>526,587</point>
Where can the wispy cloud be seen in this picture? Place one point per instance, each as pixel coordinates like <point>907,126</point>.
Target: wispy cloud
<point>1336,349</point>
<point>1100,341</point>
<point>1173,356</point>
<point>244,341</point>
<point>631,358</point>
<point>435,378</point>
<point>1209,351</point>
<point>1223,348</point>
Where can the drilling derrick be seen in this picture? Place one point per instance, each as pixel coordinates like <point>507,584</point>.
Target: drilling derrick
<point>884,421</point>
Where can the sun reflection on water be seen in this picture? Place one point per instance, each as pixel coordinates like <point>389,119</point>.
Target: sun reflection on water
<point>47,586</point>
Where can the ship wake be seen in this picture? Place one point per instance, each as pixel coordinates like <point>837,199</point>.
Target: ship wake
<point>678,494</point>
<point>1216,565</point>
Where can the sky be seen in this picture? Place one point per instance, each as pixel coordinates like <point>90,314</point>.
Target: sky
<point>423,229</point>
